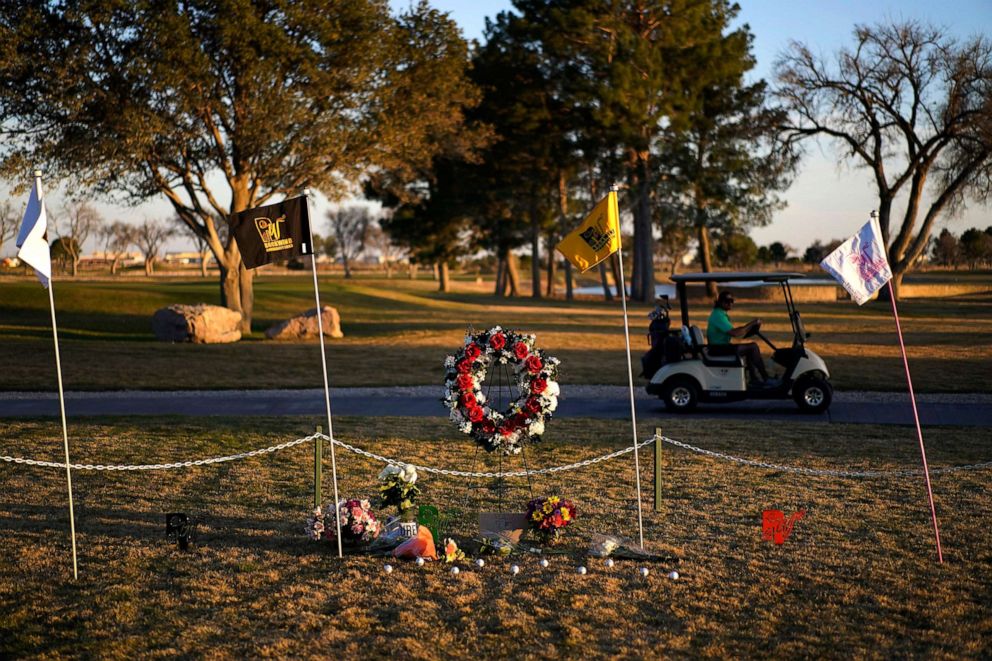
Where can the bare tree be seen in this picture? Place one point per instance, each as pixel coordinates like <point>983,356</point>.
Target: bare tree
<point>389,253</point>
<point>8,222</point>
<point>116,238</point>
<point>350,226</point>
<point>79,221</point>
<point>912,106</point>
<point>150,235</point>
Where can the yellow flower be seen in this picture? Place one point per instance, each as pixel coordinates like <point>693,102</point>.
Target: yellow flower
<point>536,516</point>
<point>554,500</point>
<point>565,514</point>
<point>547,508</point>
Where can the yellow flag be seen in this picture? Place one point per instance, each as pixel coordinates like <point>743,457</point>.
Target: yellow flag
<point>596,238</point>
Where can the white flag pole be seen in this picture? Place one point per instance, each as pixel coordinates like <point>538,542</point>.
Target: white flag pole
<point>323,364</point>
<point>65,432</point>
<point>916,418</point>
<point>630,378</point>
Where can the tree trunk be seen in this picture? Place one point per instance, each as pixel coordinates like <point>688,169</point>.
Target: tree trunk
<point>552,263</point>
<point>204,259</point>
<point>75,266</point>
<point>513,275</point>
<point>618,283</point>
<point>607,294</point>
<point>149,266</point>
<point>114,264</point>
<point>500,286</point>
<point>437,275</point>
<point>347,266</point>
<point>413,270</point>
<point>442,269</point>
<point>246,279</point>
<point>569,294</point>
<point>535,252</point>
<point>705,261</point>
<point>643,238</point>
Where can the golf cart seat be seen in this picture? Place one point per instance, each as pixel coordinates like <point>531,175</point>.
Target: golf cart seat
<point>708,358</point>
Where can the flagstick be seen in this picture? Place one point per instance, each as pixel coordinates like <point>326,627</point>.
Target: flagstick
<point>916,417</point>
<point>630,380</point>
<point>65,432</point>
<point>323,364</point>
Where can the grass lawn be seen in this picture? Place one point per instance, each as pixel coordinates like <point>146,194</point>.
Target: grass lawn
<point>398,331</point>
<point>857,578</point>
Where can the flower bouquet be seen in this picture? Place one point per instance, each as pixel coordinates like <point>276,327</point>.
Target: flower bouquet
<point>358,523</point>
<point>550,515</point>
<point>604,546</point>
<point>399,486</point>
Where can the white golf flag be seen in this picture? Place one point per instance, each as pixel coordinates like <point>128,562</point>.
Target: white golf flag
<point>31,239</point>
<point>860,263</point>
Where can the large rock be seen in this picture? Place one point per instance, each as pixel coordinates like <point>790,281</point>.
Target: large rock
<point>304,326</point>
<point>201,324</point>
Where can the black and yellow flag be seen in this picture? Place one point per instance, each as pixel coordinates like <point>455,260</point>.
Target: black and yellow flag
<point>596,238</point>
<point>274,232</point>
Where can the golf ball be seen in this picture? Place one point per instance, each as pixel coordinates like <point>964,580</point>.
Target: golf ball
<point>544,562</point>
<point>645,572</point>
<point>609,562</point>
<point>480,563</point>
<point>582,571</point>
<point>673,575</point>
<point>388,569</point>
<point>514,570</point>
<point>454,571</point>
<point>420,562</point>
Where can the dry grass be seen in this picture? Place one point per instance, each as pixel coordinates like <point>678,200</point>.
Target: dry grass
<point>857,578</point>
<point>398,332</point>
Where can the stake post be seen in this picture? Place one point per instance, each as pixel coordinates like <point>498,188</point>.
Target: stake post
<point>318,458</point>
<point>657,469</point>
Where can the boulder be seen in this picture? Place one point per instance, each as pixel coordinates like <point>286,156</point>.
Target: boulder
<point>201,324</point>
<point>304,326</point>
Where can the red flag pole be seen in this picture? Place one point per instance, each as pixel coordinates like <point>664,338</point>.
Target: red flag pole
<point>916,417</point>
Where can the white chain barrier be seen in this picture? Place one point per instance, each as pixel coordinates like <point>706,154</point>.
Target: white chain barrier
<point>523,473</point>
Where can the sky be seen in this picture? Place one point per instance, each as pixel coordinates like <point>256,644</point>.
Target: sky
<point>829,198</point>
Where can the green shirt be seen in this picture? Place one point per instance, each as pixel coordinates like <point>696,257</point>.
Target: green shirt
<point>718,327</point>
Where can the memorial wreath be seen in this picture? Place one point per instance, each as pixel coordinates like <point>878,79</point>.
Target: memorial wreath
<point>536,374</point>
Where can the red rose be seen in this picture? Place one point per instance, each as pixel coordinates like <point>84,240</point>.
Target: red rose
<point>488,427</point>
<point>473,351</point>
<point>475,414</point>
<point>537,386</point>
<point>497,341</point>
<point>464,366</point>
<point>465,382</point>
<point>519,420</point>
<point>506,429</point>
<point>468,400</point>
<point>534,364</point>
<point>533,407</point>
<point>520,350</point>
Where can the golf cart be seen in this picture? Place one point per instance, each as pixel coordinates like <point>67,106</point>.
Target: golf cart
<point>691,374</point>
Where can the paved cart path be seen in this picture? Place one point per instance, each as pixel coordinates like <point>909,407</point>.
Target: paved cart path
<point>577,401</point>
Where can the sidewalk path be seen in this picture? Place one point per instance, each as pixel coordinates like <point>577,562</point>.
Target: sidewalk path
<point>973,410</point>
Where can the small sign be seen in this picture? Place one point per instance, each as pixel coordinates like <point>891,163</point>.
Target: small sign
<point>504,524</point>
<point>775,527</point>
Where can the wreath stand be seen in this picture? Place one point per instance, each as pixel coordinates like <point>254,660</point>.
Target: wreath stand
<point>498,393</point>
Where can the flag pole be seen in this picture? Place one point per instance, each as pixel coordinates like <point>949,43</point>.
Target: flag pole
<point>630,375</point>
<point>65,431</point>
<point>916,418</point>
<point>323,364</point>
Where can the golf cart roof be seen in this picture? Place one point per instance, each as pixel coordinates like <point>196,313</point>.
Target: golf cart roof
<point>736,276</point>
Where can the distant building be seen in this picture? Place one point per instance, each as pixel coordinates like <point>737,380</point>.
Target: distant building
<point>131,258</point>
<point>185,258</point>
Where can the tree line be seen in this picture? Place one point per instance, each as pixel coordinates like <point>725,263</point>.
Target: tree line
<point>501,147</point>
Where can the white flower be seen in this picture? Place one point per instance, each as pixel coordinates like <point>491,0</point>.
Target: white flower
<point>551,404</point>
<point>536,428</point>
<point>388,472</point>
<point>408,473</point>
<point>553,389</point>
<point>465,428</point>
<point>449,361</point>
<point>480,398</point>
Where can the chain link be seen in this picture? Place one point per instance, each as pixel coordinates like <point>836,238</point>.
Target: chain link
<point>149,467</point>
<point>813,471</point>
<point>524,473</point>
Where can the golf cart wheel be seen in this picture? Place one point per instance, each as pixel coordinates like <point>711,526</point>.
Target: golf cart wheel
<point>681,395</point>
<point>813,394</point>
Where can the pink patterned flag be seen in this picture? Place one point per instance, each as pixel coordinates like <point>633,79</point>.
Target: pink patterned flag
<point>860,263</point>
